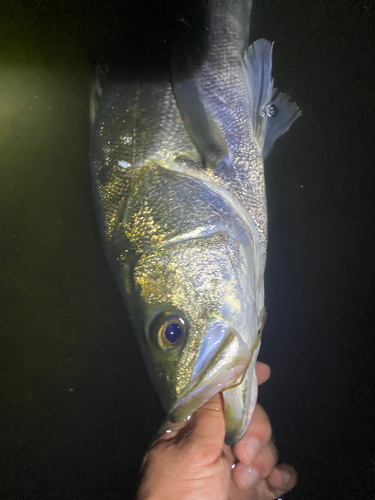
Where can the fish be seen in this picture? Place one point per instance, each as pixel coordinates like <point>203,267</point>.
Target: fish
<point>178,179</point>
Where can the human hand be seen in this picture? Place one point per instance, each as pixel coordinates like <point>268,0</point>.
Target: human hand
<point>191,462</point>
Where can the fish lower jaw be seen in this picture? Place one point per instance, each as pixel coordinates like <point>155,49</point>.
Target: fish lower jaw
<point>195,399</point>
<point>224,369</point>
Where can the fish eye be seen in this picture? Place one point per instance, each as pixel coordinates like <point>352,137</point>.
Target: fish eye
<point>171,330</point>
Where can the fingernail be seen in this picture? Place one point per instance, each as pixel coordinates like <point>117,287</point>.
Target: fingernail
<point>286,476</point>
<point>248,478</point>
<point>251,448</point>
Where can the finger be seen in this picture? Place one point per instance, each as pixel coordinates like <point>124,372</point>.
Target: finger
<point>256,437</point>
<point>229,455</point>
<point>208,428</point>
<point>282,479</point>
<point>245,477</point>
<point>209,419</point>
<point>170,433</point>
<point>170,430</point>
<point>265,460</point>
<point>240,494</point>
<point>263,372</point>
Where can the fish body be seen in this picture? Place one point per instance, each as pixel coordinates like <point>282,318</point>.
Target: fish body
<point>178,178</point>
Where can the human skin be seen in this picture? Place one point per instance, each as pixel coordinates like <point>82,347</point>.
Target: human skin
<point>189,461</point>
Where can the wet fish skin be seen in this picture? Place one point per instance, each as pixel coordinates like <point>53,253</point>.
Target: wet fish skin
<point>178,179</point>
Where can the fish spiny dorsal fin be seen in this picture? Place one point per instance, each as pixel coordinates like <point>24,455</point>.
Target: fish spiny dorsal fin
<point>271,113</point>
<point>96,91</point>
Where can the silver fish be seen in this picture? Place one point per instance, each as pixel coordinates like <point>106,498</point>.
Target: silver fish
<point>178,178</point>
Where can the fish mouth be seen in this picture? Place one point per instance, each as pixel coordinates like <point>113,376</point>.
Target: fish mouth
<point>221,364</point>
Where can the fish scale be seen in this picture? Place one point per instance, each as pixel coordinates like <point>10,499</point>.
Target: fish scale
<point>224,91</point>
<point>177,168</point>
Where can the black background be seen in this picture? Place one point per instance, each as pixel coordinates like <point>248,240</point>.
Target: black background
<point>77,410</point>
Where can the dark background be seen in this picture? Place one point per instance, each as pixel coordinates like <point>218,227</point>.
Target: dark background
<point>77,410</point>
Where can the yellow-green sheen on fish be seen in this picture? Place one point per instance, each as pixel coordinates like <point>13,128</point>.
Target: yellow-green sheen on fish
<point>177,164</point>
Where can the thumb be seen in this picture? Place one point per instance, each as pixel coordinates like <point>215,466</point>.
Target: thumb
<point>208,426</point>
<point>205,428</point>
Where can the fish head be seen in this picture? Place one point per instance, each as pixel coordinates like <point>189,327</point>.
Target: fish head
<point>195,313</point>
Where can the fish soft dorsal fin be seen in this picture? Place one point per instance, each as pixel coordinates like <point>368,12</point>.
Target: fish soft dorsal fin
<point>272,113</point>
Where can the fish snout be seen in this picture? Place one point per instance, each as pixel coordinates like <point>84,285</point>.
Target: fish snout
<point>221,363</point>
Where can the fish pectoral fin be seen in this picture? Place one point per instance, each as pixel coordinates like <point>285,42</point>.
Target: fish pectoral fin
<point>272,113</point>
<point>202,127</point>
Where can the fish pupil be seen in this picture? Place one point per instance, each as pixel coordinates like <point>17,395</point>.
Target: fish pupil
<point>173,332</point>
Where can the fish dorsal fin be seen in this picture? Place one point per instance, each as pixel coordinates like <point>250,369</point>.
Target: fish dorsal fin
<point>287,112</point>
<point>96,91</point>
<point>272,113</point>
